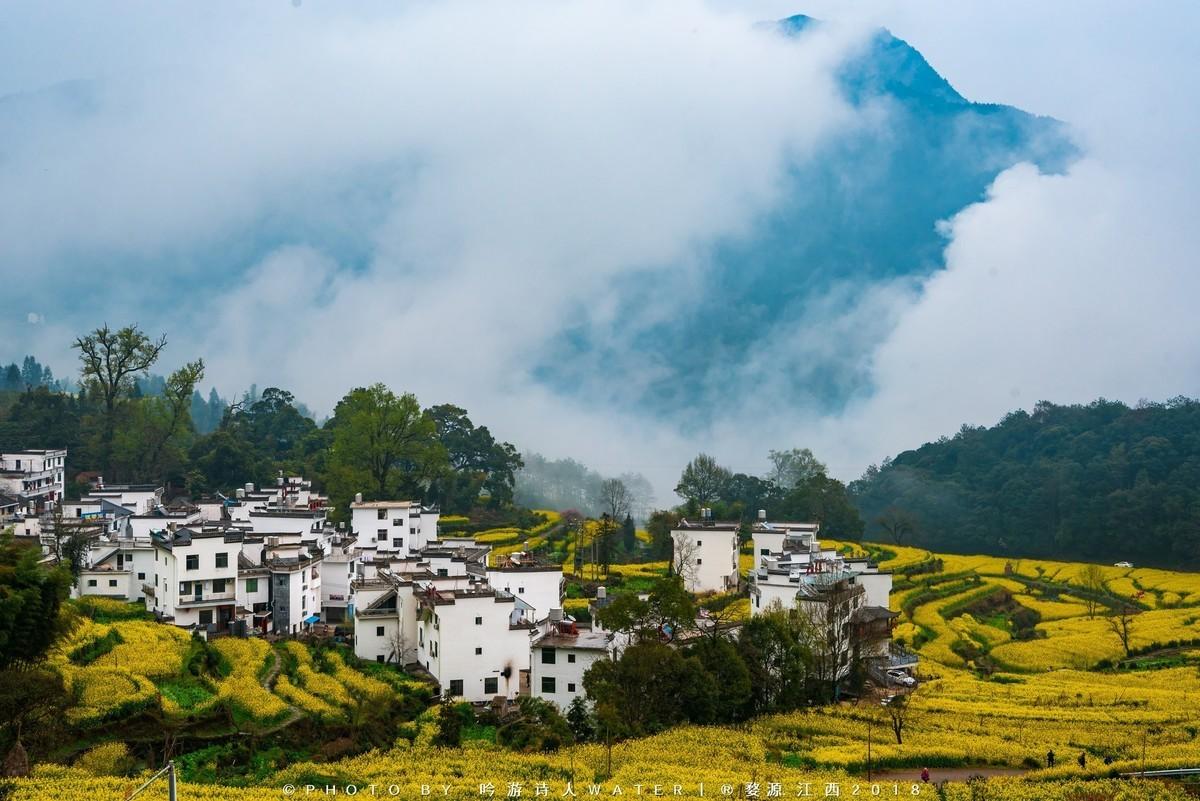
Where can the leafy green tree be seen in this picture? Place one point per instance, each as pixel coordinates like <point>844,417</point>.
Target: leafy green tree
<point>383,445</point>
<point>651,687</point>
<point>478,463</point>
<point>667,607</point>
<point>449,727</point>
<point>579,718</point>
<point>110,363</point>
<point>11,379</point>
<point>659,527</point>
<point>703,481</point>
<point>1065,482</point>
<point>776,661</point>
<point>731,677</point>
<point>43,418</point>
<point>33,706</point>
<point>257,437</point>
<point>156,432</point>
<point>31,596</point>
<point>629,535</point>
<point>539,727</point>
<point>827,501</point>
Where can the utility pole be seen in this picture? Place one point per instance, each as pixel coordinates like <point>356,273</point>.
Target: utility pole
<point>869,722</point>
<point>169,770</point>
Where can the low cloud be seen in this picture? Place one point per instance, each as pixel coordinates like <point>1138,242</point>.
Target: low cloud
<point>316,199</point>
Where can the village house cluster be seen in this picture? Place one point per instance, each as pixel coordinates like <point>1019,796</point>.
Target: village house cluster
<point>269,561</point>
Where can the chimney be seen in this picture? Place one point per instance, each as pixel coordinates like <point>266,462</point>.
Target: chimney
<point>601,593</point>
<point>358,497</point>
<point>241,493</point>
<point>249,487</point>
<point>762,515</point>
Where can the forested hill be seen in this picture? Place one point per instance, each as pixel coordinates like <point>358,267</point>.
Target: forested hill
<point>1101,482</point>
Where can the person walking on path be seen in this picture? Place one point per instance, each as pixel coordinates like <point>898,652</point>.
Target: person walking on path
<point>1082,759</point>
<point>925,775</point>
<point>1050,758</point>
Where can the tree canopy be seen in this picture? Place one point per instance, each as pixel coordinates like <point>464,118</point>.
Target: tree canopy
<point>1095,482</point>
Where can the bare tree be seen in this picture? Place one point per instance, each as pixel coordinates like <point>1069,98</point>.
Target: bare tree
<point>615,499</point>
<point>398,642</point>
<point>684,561</point>
<point>898,524</point>
<point>793,467</point>
<point>1091,579</point>
<point>897,712</point>
<point>823,625</point>
<point>110,362</point>
<point>1120,622</point>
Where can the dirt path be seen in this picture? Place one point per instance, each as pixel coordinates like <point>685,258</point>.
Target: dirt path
<point>269,679</point>
<point>938,775</point>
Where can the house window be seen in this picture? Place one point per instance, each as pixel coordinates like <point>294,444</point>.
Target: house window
<point>141,576</point>
<point>764,551</point>
<point>379,631</point>
<point>378,657</point>
<point>421,637</point>
<point>571,658</point>
<point>397,542</point>
<point>520,590</point>
<point>434,648</point>
<point>185,587</point>
<point>698,543</point>
<point>571,687</point>
<point>478,621</point>
<point>252,585</point>
<point>491,685</point>
<point>381,514</point>
<point>699,561</point>
<point>548,657</point>
<point>193,562</point>
<point>381,534</point>
<point>218,585</point>
<point>547,684</point>
<point>205,617</point>
<point>222,560</point>
<point>112,582</point>
<point>456,687</point>
<point>91,582</point>
<point>478,651</point>
<point>398,521</point>
<point>443,572</point>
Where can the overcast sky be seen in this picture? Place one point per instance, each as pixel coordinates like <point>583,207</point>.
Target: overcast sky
<point>316,198</point>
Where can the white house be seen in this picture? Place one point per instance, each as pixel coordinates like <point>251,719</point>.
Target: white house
<point>706,554</point>
<point>385,619</point>
<point>538,585</point>
<point>393,527</point>
<point>560,653</point>
<point>846,599</point>
<point>195,577</point>
<point>467,641</point>
<point>118,567</point>
<point>295,586</point>
<point>34,477</point>
<point>340,570</point>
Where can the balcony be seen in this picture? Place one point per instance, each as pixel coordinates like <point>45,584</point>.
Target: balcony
<point>207,599</point>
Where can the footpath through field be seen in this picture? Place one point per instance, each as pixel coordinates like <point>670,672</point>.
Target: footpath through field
<point>938,775</point>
